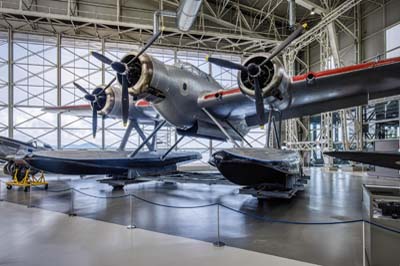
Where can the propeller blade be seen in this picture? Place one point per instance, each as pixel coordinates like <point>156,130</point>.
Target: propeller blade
<point>94,121</point>
<point>125,100</point>
<point>148,44</point>
<point>119,67</point>
<point>90,97</point>
<point>79,87</point>
<point>102,58</point>
<point>259,103</point>
<point>226,64</point>
<point>108,85</point>
<point>294,35</point>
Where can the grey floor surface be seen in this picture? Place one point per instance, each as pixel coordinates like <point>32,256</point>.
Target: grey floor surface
<point>328,197</point>
<point>38,237</point>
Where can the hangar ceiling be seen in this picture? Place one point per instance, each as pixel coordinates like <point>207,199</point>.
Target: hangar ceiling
<point>223,25</point>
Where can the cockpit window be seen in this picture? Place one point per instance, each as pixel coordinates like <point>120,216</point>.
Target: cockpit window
<point>194,70</point>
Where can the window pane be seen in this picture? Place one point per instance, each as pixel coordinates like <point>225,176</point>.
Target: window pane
<point>393,41</point>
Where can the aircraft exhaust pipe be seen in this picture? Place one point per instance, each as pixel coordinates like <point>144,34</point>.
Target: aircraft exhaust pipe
<point>187,13</point>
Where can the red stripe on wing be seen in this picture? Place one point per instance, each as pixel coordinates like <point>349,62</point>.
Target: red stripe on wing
<point>68,107</point>
<point>347,69</point>
<point>220,93</point>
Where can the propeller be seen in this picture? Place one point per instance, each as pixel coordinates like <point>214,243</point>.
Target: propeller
<point>123,70</point>
<point>97,100</point>
<point>255,71</point>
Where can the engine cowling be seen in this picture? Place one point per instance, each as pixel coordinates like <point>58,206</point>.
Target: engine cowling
<point>110,106</point>
<point>273,79</point>
<point>144,77</point>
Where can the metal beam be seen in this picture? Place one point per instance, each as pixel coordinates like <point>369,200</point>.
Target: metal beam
<point>311,35</point>
<point>311,6</point>
<point>124,24</point>
<point>59,144</point>
<point>334,43</point>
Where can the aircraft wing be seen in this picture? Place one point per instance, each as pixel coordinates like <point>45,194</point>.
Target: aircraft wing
<point>316,92</point>
<point>384,159</point>
<point>143,111</point>
<point>83,110</point>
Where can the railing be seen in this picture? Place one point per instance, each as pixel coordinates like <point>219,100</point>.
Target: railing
<point>72,190</point>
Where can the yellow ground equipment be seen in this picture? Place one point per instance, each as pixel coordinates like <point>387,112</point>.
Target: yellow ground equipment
<point>23,178</point>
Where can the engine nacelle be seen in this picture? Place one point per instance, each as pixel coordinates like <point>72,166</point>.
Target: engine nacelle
<point>146,77</point>
<point>273,79</point>
<point>111,105</point>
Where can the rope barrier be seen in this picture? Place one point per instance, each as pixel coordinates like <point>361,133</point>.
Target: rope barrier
<point>255,216</point>
<point>175,207</point>
<point>50,190</point>
<point>100,197</point>
<point>272,220</point>
<point>383,227</point>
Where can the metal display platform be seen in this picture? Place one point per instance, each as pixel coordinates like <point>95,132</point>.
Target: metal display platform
<point>381,209</point>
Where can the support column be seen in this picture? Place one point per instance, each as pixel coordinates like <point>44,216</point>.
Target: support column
<point>334,44</point>
<point>59,144</point>
<point>69,7</point>
<point>118,10</point>
<point>359,34</point>
<point>103,81</point>
<point>210,142</point>
<point>10,85</point>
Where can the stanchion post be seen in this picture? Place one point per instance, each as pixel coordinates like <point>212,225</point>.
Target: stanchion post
<point>1,198</point>
<point>71,210</point>
<point>218,243</point>
<point>30,197</point>
<point>131,225</point>
<point>363,245</point>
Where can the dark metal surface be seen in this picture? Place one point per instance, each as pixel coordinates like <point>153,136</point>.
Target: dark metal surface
<point>384,159</point>
<point>255,166</point>
<point>328,197</point>
<point>103,162</point>
<point>12,147</point>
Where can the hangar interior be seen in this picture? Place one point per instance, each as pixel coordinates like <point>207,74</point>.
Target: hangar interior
<point>47,45</point>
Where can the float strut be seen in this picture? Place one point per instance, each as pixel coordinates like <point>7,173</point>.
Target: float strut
<point>147,139</point>
<point>171,148</point>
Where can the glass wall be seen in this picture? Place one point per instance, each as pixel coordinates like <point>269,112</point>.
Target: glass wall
<point>3,84</point>
<point>34,87</point>
<point>37,62</point>
<point>393,41</point>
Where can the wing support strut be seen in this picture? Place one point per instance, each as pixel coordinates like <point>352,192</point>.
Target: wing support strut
<point>171,148</point>
<point>142,135</point>
<point>277,130</point>
<point>237,132</point>
<point>153,141</point>
<point>133,124</point>
<point>269,126</point>
<point>159,126</point>
<point>218,124</point>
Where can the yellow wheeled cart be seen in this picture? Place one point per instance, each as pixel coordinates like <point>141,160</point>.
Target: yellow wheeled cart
<point>24,178</point>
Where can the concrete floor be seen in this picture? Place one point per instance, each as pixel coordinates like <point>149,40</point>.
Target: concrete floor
<point>40,237</point>
<point>328,197</point>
